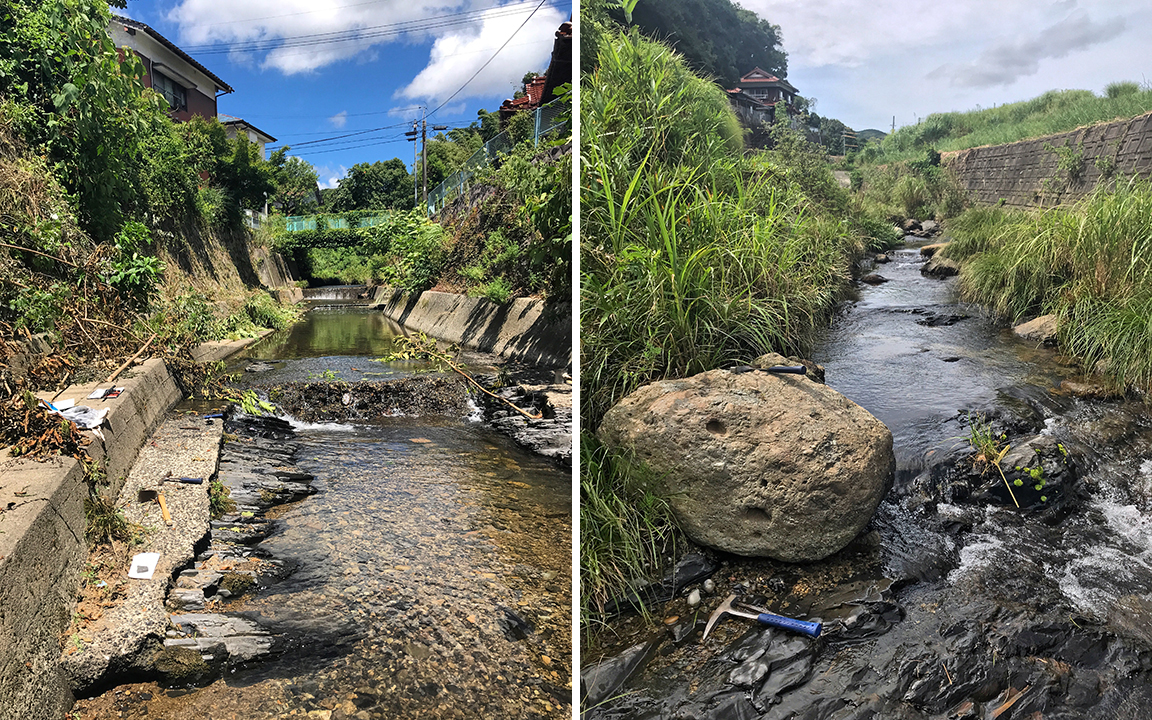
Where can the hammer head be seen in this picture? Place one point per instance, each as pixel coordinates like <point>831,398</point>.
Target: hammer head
<point>724,609</point>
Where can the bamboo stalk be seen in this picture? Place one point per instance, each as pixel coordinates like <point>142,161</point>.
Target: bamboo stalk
<point>130,360</point>
<point>492,394</point>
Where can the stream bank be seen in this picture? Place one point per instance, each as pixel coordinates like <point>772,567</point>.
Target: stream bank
<point>952,603</point>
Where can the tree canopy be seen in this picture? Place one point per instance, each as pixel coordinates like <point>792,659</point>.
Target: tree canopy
<point>296,183</point>
<point>717,37</point>
<point>376,186</point>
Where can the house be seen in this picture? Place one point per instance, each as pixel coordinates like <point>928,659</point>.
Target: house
<point>190,88</point>
<point>541,89</point>
<point>756,95</point>
<point>235,126</point>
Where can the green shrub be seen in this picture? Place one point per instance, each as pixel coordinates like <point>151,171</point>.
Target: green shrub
<point>132,272</point>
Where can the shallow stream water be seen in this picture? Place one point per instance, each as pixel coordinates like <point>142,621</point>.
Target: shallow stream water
<point>429,576</point>
<point>943,609</point>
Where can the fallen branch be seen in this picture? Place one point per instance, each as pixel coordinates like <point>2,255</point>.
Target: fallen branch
<point>130,360</point>
<point>37,252</point>
<point>489,392</point>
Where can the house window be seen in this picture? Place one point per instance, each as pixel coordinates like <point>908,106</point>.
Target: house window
<point>175,94</point>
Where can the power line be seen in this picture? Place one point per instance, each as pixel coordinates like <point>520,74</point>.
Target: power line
<point>357,34</point>
<point>276,17</point>
<point>530,16</point>
<point>348,135</point>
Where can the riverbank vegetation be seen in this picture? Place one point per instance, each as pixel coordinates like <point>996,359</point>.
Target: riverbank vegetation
<point>1053,112</point>
<point>693,256</point>
<point>1089,263</point>
<point>120,230</point>
<point>515,240</point>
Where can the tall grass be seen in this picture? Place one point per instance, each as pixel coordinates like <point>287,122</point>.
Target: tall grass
<point>1090,264</point>
<point>1053,112</point>
<point>626,529</point>
<point>692,256</point>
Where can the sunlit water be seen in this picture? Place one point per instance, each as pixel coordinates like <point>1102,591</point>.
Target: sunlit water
<point>430,574</point>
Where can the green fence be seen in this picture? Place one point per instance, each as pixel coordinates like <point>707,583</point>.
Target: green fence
<point>296,223</point>
<point>548,119</point>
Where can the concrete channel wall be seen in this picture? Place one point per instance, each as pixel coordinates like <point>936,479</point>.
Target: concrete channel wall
<point>1025,174</point>
<point>525,329</point>
<point>42,544</point>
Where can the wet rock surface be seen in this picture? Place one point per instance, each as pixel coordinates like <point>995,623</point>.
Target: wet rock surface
<point>550,435</point>
<point>369,401</point>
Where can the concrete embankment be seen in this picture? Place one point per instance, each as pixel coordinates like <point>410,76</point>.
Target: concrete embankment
<point>42,543</point>
<point>525,329</point>
<point>1026,173</point>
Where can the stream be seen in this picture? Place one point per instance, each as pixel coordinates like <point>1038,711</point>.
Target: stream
<point>423,568</point>
<point>953,603</point>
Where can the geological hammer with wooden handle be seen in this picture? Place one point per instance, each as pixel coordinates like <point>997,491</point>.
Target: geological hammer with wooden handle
<point>731,607</point>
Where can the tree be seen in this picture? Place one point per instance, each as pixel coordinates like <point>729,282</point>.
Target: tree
<point>716,37</point>
<point>489,124</point>
<point>377,186</point>
<point>297,191</point>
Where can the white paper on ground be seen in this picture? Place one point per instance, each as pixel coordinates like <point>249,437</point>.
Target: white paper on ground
<point>143,565</point>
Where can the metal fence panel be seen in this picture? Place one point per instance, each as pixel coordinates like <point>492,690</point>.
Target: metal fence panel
<point>548,119</point>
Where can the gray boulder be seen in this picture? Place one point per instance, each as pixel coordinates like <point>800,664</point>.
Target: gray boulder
<point>758,464</point>
<point>1042,330</point>
<point>940,267</point>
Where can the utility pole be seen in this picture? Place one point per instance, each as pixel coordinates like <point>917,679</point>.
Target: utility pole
<point>893,123</point>
<point>411,135</point>
<point>424,154</point>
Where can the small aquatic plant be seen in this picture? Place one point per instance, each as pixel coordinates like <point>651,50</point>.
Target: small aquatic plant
<point>989,451</point>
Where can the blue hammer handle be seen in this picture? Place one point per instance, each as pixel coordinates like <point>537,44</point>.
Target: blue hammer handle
<point>811,629</point>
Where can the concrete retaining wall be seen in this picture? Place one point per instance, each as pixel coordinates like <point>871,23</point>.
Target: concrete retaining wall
<point>524,329</point>
<point>42,544</point>
<point>1024,174</point>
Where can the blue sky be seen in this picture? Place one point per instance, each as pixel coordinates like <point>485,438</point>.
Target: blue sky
<point>866,62</point>
<point>307,70</point>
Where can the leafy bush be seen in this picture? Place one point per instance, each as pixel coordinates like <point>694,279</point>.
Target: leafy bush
<point>133,273</point>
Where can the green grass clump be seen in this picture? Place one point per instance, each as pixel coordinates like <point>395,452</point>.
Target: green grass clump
<point>625,528</point>
<point>106,523</point>
<point>1089,263</point>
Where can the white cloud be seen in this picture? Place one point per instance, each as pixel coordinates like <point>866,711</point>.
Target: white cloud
<point>273,28</point>
<point>333,176</point>
<point>868,61</point>
<point>457,55</point>
<point>339,119</point>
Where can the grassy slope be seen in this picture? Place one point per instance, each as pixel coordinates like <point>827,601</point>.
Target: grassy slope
<point>1053,112</point>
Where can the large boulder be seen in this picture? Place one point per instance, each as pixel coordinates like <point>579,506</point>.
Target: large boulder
<point>758,464</point>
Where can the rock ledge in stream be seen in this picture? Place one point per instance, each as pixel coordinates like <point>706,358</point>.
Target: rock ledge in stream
<point>758,464</point>
<point>338,401</point>
<point>551,434</point>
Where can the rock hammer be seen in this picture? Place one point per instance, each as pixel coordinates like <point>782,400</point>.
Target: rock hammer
<point>731,607</point>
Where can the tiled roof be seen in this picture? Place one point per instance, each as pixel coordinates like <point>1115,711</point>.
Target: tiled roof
<point>137,25</point>
<point>233,120</point>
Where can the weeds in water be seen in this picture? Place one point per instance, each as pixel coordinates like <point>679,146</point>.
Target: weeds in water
<point>626,529</point>
<point>1090,264</point>
<point>990,448</point>
<point>326,376</point>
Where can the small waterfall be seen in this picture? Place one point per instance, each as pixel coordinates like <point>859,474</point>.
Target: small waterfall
<point>348,294</point>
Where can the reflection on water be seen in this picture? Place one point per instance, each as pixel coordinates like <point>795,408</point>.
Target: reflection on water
<point>340,330</point>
